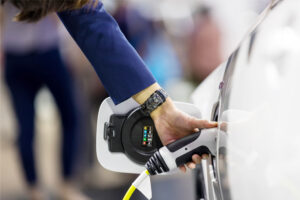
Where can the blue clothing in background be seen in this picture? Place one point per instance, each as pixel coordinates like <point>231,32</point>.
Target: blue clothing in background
<point>120,68</point>
<point>25,75</point>
<point>147,37</point>
<point>161,60</point>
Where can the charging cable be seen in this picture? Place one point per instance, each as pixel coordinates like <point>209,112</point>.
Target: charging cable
<point>173,155</point>
<point>136,184</point>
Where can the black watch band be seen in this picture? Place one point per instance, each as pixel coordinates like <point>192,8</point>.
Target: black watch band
<point>155,100</point>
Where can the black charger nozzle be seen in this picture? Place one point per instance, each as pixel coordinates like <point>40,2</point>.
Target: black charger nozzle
<point>156,164</point>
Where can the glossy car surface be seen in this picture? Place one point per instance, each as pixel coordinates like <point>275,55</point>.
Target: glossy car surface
<point>258,113</point>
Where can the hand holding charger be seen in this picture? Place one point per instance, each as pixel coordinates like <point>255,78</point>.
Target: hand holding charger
<point>134,134</point>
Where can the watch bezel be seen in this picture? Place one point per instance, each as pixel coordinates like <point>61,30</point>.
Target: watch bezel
<point>154,101</point>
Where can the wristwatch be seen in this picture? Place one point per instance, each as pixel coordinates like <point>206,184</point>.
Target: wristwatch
<point>155,100</point>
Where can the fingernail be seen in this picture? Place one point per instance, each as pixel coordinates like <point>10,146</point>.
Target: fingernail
<point>214,123</point>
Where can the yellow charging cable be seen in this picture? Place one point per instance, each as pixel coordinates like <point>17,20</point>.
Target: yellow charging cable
<point>136,184</point>
<point>129,192</point>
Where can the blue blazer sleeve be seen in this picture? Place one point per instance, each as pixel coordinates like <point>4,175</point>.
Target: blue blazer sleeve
<point>119,67</point>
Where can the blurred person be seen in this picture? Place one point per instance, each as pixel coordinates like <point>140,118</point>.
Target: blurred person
<point>89,93</point>
<point>32,60</point>
<point>150,41</point>
<point>200,52</point>
<point>121,70</point>
<point>204,53</point>
<point>161,58</point>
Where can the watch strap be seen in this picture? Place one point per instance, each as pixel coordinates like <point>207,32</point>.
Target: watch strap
<point>154,101</point>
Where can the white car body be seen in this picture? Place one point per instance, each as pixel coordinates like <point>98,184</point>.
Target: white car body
<point>259,109</point>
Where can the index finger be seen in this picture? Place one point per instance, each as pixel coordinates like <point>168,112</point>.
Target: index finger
<point>199,123</point>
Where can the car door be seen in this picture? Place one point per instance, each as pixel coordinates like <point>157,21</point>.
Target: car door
<point>257,107</point>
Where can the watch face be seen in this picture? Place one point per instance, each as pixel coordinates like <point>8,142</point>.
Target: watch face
<point>153,102</point>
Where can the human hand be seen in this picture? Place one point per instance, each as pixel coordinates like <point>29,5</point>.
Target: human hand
<point>173,124</point>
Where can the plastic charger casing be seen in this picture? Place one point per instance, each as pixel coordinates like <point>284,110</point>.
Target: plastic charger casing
<point>119,162</point>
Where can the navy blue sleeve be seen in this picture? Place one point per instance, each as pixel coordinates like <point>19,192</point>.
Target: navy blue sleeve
<point>119,67</point>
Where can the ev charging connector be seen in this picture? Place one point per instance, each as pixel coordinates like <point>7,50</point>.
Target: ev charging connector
<point>127,142</point>
<point>170,157</point>
<point>180,152</point>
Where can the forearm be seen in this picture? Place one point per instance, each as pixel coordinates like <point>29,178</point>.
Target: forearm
<point>120,68</point>
<point>166,107</point>
<point>143,95</point>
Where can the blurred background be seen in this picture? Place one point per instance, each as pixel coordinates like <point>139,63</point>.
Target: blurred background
<point>181,41</point>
